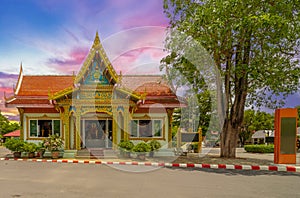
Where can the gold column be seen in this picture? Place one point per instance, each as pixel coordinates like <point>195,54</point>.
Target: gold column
<point>77,137</point>
<point>21,112</point>
<point>170,113</point>
<point>125,124</point>
<point>66,124</point>
<point>114,134</point>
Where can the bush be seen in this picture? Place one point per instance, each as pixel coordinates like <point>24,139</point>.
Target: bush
<point>154,145</point>
<point>30,147</point>
<point>40,147</point>
<point>142,147</point>
<point>261,148</point>
<point>14,145</point>
<point>126,145</point>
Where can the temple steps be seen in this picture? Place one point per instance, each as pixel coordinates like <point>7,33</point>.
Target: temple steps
<point>96,153</point>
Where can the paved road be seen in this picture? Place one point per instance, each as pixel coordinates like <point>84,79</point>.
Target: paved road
<point>32,179</point>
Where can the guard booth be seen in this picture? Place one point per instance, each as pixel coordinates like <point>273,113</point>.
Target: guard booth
<point>285,136</point>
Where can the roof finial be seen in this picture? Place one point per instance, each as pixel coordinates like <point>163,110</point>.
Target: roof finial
<point>21,68</point>
<point>17,87</point>
<point>96,40</point>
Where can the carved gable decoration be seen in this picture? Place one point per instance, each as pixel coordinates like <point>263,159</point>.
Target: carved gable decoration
<point>95,73</point>
<point>97,69</point>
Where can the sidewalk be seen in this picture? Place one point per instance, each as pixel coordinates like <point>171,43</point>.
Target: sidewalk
<point>209,158</point>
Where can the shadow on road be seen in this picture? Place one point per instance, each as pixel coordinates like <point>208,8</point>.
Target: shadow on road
<point>229,172</point>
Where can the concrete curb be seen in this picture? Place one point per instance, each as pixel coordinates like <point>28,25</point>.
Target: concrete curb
<point>282,168</point>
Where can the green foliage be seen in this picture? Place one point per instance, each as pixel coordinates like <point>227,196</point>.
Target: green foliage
<point>6,126</point>
<point>193,146</point>
<point>261,148</point>
<point>259,38</point>
<point>29,147</point>
<point>126,145</point>
<point>141,147</point>
<point>196,114</point>
<point>40,146</point>
<point>174,132</point>
<point>14,145</point>
<point>254,121</point>
<point>154,145</point>
<point>253,44</point>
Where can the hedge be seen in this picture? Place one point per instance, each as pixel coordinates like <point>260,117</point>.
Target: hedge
<point>261,148</point>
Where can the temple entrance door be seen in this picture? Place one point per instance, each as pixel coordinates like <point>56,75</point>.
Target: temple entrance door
<point>97,133</point>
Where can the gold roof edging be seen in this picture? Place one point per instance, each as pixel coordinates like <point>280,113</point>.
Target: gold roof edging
<point>131,93</point>
<point>61,93</point>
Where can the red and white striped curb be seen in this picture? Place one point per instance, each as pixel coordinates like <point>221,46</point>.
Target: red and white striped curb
<point>157,164</point>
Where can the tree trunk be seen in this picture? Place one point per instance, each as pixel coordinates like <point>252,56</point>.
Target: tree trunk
<point>235,118</point>
<point>228,140</point>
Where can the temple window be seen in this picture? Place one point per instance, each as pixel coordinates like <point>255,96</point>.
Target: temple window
<point>44,128</point>
<point>146,128</point>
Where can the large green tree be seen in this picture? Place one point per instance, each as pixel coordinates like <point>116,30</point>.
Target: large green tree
<point>253,44</point>
<point>6,126</point>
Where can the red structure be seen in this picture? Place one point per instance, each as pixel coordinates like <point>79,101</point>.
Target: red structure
<point>14,134</point>
<point>285,136</point>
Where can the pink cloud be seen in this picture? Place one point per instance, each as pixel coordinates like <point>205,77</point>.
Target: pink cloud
<point>132,39</point>
<point>144,17</point>
<point>11,113</point>
<point>138,58</point>
<point>7,90</point>
<point>7,80</point>
<point>71,62</point>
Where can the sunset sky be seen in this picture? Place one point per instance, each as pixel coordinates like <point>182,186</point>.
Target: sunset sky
<point>53,37</point>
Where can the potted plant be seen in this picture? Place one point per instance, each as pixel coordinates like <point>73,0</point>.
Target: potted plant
<point>40,149</point>
<point>141,149</point>
<point>154,146</point>
<point>54,144</point>
<point>125,147</point>
<point>15,145</point>
<point>30,148</point>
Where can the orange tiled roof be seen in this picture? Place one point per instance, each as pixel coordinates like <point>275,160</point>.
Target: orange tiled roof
<point>154,89</point>
<point>34,90</point>
<point>41,85</point>
<point>152,85</point>
<point>134,81</point>
<point>34,101</point>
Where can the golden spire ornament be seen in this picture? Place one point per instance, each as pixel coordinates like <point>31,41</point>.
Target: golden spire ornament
<point>96,40</point>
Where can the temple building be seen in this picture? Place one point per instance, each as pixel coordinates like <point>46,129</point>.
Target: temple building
<point>97,108</point>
